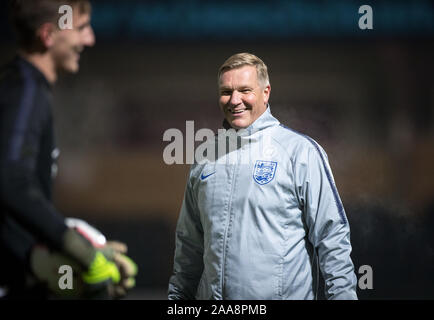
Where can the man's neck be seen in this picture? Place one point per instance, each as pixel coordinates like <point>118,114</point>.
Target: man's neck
<point>43,62</point>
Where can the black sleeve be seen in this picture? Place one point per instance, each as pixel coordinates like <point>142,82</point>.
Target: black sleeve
<point>16,240</point>
<point>24,119</point>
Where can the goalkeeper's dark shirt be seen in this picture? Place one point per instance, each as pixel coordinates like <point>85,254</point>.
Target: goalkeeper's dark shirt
<point>26,157</point>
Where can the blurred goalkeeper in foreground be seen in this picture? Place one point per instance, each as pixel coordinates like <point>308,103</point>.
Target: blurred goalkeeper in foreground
<point>35,240</point>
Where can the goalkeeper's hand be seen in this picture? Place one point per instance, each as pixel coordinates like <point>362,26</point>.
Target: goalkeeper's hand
<point>116,252</point>
<point>100,275</point>
<point>45,266</point>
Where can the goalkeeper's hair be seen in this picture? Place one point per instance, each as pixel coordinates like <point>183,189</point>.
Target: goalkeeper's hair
<point>246,59</point>
<point>26,16</point>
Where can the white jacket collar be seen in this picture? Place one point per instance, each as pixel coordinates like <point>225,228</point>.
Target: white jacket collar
<point>264,121</point>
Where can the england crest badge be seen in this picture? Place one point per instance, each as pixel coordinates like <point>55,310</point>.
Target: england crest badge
<point>264,171</point>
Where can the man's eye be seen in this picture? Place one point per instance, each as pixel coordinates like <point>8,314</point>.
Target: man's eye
<point>83,27</point>
<point>226,93</point>
<point>246,90</point>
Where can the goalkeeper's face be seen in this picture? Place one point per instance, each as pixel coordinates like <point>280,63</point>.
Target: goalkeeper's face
<point>68,44</point>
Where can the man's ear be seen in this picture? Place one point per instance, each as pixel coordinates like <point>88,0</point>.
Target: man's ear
<point>266,92</point>
<point>46,33</point>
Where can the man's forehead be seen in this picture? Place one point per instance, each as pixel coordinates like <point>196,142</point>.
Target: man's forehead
<point>243,73</point>
<point>79,17</point>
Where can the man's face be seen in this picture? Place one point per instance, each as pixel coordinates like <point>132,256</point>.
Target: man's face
<point>68,44</point>
<point>242,98</point>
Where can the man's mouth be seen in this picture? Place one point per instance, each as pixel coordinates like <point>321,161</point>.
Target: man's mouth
<point>237,111</point>
<point>78,51</point>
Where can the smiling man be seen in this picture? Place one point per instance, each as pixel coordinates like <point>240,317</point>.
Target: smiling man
<point>244,92</point>
<point>261,229</point>
<point>34,238</point>
<point>41,41</point>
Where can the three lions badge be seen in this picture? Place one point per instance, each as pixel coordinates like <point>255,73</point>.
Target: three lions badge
<point>264,171</point>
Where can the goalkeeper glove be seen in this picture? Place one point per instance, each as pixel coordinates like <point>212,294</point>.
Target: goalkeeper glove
<point>98,268</point>
<point>104,273</point>
<point>97,274</point>
<point>116,251</point>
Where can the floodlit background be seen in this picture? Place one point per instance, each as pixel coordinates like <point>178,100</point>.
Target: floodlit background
<point>366,96</point>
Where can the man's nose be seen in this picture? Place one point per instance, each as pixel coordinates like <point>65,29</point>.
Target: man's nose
<point>88,37</point>
<point>235,98</point>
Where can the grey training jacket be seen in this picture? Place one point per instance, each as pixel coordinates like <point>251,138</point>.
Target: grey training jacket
<point>258,221</point>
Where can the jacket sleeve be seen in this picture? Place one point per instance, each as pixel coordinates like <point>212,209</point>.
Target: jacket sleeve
<point>21,194</point>
<point>328,228</point>
<point>188,261</point>
<point>16,240</point>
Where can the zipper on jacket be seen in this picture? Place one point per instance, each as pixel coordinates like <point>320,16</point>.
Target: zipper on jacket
<point>227,227</point>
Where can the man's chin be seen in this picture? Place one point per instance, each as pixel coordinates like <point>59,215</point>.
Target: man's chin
<point>239,123</point>
<point>71,68</point>
<point>74,70</point>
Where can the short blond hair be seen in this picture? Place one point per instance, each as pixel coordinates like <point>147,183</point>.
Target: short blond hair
<point>246,59</point>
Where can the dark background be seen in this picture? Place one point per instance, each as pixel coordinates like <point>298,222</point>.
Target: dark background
<point>367,96</point>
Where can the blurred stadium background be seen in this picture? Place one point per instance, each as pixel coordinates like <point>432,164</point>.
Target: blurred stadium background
<point>366,96</point>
